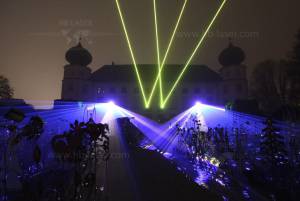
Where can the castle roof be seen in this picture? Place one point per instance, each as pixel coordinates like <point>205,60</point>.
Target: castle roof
<point>148,72</point>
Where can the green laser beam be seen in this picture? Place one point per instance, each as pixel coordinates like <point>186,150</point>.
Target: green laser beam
<point>194,52</point>
<point>166,54</point>
<point>131,52</point>
<point>161,65</point>
<point>157,50</point>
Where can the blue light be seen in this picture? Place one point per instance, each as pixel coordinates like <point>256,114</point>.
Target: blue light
<point>111,103</point>
<point>197,107</point>
<point>198,104</point>
<point>214,107</point>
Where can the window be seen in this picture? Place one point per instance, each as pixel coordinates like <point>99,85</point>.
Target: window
<point>84,89</point>
<point>227,74</point>
<point>124,90</point>
<point>225,90</point>
<point>185,91</point>
<point>208,90</point>
<point>197,90</point>
<point>239,88</point>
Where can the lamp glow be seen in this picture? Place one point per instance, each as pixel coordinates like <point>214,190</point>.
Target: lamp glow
<point>111,106</point>
<point>111,103</point>
<point>198,104</point>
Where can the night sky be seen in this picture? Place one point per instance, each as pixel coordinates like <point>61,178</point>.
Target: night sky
<point>35,34</point>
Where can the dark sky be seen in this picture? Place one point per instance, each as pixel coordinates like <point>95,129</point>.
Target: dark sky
<point>35,35</point>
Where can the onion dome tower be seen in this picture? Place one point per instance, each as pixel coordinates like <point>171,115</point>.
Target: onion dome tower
<point>78,56</point>
<point>76,84</point>
<point>232,56</point>
<point>234,73</point>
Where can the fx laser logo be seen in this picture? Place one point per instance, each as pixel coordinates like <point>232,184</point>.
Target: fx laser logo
<point>164,98</point>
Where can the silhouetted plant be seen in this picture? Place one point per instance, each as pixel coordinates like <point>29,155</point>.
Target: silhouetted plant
<point>34,129</point>
<point>31,132</point>
<point>80,146</point>
<point>14,115</point>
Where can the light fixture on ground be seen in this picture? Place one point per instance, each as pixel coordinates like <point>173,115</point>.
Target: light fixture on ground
<point>111,103</point>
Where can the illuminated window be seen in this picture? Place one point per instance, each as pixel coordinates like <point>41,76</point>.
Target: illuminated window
<point>100,91</point>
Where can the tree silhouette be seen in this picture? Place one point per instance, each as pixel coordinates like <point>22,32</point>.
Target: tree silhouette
<point>6,91</point>
<point>275,84</point>
<point>295,54</point>
<point>266,85</point>
<point>272,145</point>
<point>294,71</point>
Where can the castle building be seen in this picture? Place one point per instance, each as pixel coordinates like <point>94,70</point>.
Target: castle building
<point>119,83</point>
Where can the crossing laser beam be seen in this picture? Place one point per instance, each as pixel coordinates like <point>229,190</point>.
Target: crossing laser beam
<point>166,54</point>
<point>161,64</point>
<point>194,52</point>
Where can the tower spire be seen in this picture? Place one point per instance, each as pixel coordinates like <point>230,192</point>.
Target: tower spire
<point>230,41</point>
<point>79,40</point>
